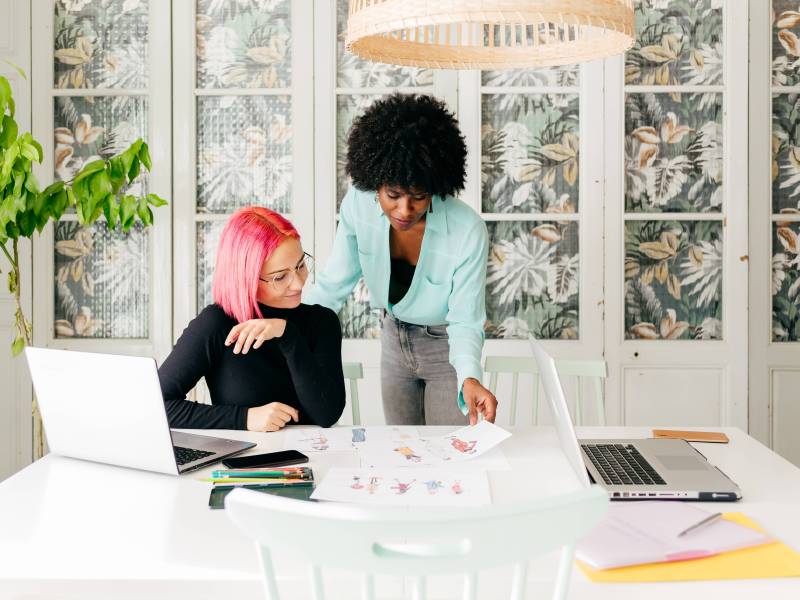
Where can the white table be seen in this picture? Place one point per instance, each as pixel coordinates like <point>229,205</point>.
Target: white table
<point>74,530</point>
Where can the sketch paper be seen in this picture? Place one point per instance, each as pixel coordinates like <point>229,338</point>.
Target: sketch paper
<point>466,444</point>
<point>403,487</point>
<point>317,439</point>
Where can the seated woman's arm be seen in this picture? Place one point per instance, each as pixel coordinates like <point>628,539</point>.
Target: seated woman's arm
<point>316,368</point>
<point>199,347</point>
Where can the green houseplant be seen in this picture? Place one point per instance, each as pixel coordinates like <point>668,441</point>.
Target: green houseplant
<point>98,190</point>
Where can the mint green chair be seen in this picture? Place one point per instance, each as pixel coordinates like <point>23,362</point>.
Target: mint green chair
<point>353,371</point>
<point>595,370</point>
<point>416,543</point>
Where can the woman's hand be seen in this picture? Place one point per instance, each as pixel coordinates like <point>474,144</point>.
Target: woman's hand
<point>479,399</point>
<point>254,333</point>
<point>271,417</point>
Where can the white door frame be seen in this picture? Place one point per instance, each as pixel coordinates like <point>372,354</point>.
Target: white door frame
<point>729,355</point>
<point>773,365</point>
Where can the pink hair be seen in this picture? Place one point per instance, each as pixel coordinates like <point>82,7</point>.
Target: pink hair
<point>249,238</point>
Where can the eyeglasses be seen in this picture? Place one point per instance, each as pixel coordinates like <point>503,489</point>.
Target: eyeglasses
<point>281,280</point>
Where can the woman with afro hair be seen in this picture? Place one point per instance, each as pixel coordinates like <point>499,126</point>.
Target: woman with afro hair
<point>423,256</point>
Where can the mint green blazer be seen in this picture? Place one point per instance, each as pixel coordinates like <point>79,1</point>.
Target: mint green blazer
<point>449,282</point>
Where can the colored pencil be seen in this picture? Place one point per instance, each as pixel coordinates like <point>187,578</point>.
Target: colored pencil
<point>255,480</point>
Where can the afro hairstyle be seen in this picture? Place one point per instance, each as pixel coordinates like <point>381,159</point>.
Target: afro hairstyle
<point>407,140</point>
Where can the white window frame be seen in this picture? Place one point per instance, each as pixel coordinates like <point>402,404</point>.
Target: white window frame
<point>184,165</point>
<point>159,139</point>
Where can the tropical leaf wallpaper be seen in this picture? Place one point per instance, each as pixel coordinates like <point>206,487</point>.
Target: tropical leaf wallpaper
<point>530,153</point>
<point>348,107</point>
<point>208,233</point>
<point>532,280</point>
<point>244,153</point>
<point>785,43</point>
<point>102,284</point>
<point>243,43</point>
<point>673,153</point>
<point>678,42</point>
<point>100,44</point>
<point>357,318</point>
<point>785,282</point>
<point>566,76</point>
<point>785,153</point>
<point>673,280</point>
<point>785,171</point>
<point>353,72</point>
<point>92,127</point>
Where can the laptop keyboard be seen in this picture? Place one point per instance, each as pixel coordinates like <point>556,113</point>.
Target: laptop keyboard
<point>622,464</point>
<point>187,455</point>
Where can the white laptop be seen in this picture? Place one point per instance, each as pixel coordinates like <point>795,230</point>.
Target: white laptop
<point>633,469</point>
<point>108,408</point>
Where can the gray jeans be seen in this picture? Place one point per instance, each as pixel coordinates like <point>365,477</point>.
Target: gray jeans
<point>418,383</point>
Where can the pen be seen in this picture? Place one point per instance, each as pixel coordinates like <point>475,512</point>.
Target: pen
<point>255,480</point>
<point>709,519</point>
<point>286,474</point>
<point>226,486</point>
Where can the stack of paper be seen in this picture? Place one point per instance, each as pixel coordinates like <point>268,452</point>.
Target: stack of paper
<point>647,532</point>
<point>638,542</point>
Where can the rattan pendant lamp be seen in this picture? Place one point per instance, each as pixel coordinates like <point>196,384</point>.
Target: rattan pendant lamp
<point>488,34</point>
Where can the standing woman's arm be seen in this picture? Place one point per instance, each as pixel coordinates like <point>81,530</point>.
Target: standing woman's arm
<point>466,309</point>
<point>343,269</point>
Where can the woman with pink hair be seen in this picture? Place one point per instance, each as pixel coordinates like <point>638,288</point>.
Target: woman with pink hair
<point>267,358</point>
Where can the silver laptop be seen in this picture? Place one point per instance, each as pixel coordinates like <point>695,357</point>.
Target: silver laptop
<point>633,469</point>
<point>108,408</point>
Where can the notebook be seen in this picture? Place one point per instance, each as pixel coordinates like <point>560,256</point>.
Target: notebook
<point>647,532</point>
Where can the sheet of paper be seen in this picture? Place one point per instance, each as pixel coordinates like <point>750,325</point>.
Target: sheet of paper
<point>768,560</point>
<point>334,439</point>
<point>466,444</point>
<point>647,532</point>
<point>403,487</point>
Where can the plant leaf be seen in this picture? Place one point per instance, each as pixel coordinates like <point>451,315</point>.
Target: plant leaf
<point>155,200</point>
<point>17,346</point>
<point>144,155</point>
<point>8,135</point>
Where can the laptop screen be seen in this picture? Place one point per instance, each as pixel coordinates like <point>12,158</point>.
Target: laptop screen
<point>558,406</point>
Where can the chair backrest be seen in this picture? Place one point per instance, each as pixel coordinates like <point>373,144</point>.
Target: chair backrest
<point>416,543</point>
<point>595,370</point>
<point>353,371</point>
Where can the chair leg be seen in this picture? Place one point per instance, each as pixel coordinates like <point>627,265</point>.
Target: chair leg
<point>470,586</point>
<point>270,584</point>
<point>512,421</point>
<point>354,402</point>
<point>368,588</point>
<point>418,588</point>
<point>564,572</point>
<point>601,405</point>
<point>317,587</point>
<point>519,578</point>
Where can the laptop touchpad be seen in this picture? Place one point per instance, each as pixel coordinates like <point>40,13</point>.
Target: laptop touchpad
<point>681,463</point>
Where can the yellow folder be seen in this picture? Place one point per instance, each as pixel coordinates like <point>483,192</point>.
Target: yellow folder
<point>769,560</point>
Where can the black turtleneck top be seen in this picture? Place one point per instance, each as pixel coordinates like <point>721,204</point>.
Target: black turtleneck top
<point>302,368</point>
